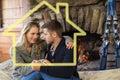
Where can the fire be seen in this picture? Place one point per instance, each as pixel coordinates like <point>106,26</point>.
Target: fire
<point>83,55</point>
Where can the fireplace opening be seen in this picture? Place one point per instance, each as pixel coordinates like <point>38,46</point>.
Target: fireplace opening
<point>88,49</point>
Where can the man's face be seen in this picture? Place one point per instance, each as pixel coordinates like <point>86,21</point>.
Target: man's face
<point>48,36</point>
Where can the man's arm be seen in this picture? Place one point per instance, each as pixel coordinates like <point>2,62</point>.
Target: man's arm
<point>61,71</point>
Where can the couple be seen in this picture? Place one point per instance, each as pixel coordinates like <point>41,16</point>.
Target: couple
<point>29,49</point>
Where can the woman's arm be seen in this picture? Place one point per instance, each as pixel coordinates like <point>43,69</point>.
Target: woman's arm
<point>68,42</point>
<point>19,71</point>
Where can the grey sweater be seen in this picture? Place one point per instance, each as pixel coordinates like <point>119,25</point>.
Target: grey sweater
<point>22,56</point>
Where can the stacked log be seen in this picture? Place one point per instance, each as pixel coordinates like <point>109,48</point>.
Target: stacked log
<point>118,12</point>
<point>87,14</point>
<point>90,15</point>
<point>95,20</point>
<point>81,17</point>
<point>72,2</point>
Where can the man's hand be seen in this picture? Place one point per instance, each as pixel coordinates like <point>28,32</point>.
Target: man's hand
<point>46,61</point>
<point>36,68</point>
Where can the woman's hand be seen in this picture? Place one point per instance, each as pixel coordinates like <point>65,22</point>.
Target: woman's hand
<point>69,42</point>
<point>70,45</point>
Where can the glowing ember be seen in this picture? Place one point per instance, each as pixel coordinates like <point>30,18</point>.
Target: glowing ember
<point>83,55</point>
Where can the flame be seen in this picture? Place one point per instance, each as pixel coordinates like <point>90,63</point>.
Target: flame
<point>83,54</point>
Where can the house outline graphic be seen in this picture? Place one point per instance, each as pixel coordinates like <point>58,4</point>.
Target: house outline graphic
<point>57,11</point>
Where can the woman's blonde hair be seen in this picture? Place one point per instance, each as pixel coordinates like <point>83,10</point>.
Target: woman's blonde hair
<point>22,40</point>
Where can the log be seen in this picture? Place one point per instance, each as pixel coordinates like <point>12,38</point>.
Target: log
<point>101,23</point>
<point>118,6</point>
<point>46,16</point>
<point>61,20</point>
<point>52,15</point>
<point>80,17</point>
<point>37,15</point>
<point>67,25</point>
<point>88,15</point>
<point>72,2</point>
<point>95,20</point>
<point>74,16</point>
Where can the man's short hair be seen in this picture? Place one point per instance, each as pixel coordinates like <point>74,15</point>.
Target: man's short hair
<point>54,25</point>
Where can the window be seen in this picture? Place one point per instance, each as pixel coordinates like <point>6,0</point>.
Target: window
<point>0,13</point>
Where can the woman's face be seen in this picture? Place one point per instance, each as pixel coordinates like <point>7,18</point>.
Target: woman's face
<point>33,35</point>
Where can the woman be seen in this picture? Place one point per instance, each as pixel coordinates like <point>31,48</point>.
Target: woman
<point>28,48</point>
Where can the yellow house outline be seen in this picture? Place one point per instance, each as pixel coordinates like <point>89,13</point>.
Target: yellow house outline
<point>56,10</point>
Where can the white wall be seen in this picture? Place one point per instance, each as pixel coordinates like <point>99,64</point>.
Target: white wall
<point>13,10</point>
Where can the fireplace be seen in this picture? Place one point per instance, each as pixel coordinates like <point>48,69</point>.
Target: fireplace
<point>89,48</point>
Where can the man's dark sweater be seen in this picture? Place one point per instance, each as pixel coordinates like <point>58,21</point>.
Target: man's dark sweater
<point>61,55</point>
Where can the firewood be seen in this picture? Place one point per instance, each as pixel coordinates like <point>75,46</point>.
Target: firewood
<point>88,15</point>
<point>95,20</point>
<point>81,17</point>
<point>101,23</point>
<point>74,16</point>
<point>61,20</point>
<point>46,16</point>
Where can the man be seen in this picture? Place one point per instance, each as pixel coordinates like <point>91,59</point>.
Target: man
<point>57,53</point>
